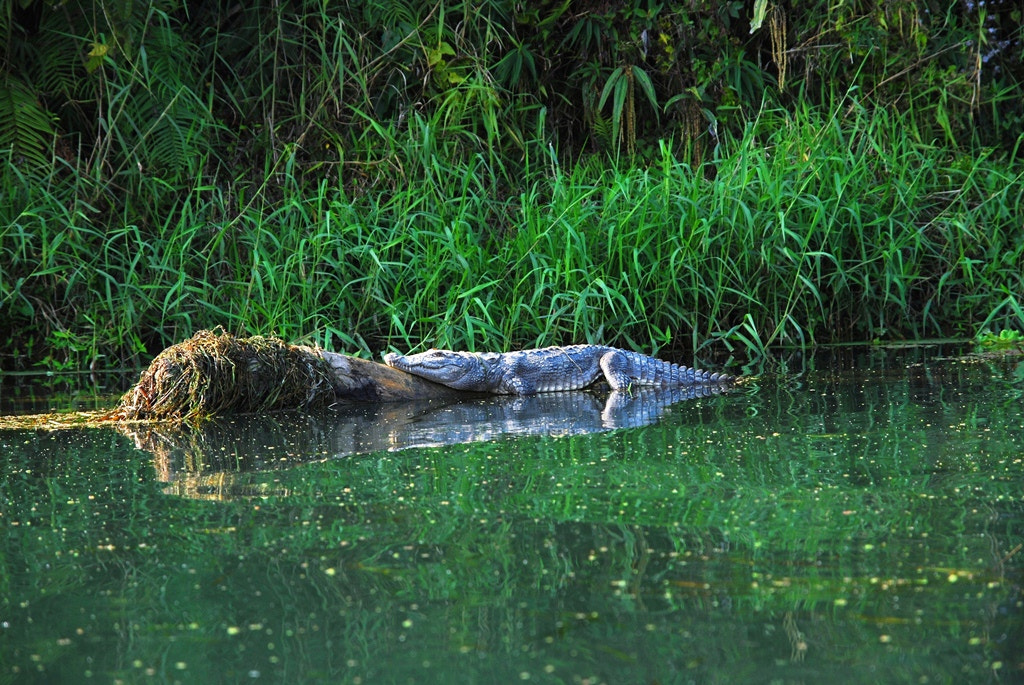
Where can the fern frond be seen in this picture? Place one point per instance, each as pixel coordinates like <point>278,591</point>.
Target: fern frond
<point>601,127</point>
<point>26,128</point>
<point>390,14</point>
<point>172,140</point>
<point>161,123</point>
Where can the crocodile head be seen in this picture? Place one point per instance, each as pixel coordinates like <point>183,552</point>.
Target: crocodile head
<point>459,370</point>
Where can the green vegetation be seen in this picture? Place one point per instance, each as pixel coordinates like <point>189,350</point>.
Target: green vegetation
<point>1005,338</point>
<point>496,175</point>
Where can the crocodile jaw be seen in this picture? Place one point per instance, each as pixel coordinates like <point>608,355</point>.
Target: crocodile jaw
<point>459,370</point>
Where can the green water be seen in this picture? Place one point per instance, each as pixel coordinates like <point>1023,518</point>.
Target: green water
<point>857,519</point>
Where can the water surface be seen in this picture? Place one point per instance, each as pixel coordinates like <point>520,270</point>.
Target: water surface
<point>858,518</point>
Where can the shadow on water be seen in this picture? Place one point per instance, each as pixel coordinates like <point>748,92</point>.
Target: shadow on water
<point>857,517</point>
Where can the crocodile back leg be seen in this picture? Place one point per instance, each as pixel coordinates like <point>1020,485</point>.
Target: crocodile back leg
<point>621,370</point>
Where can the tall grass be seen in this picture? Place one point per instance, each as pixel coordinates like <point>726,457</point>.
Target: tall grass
<point>399,174</point>
<point>814,228</point>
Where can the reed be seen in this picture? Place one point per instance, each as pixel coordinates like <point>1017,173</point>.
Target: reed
<point>817,227</point>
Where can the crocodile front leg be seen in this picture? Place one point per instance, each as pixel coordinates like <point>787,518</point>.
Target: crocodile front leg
<point>515,384</point>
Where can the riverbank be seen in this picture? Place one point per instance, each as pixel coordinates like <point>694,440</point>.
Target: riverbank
<point>811,228</point>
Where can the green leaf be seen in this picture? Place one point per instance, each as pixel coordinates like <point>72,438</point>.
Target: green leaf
<point>617,83</point>
<point>648,87</point>
<point>619,106</point>
<point>621,90</point>
<point>95,57</point>
<point>760,10</point>
<point>436,55</point>
<point>609,85</point>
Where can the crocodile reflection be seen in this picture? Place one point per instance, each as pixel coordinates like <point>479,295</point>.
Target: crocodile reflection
<point>555,414</point>
<point>190,454</point>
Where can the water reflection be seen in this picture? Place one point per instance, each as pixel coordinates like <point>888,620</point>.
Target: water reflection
<point>198,460</point>
<point>860,521</point>
<point>40,393</point>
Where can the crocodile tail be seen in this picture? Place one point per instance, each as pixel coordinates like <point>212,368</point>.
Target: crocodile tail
<point>658,372</point>
<point>624,369</point>
<point>706,377</point>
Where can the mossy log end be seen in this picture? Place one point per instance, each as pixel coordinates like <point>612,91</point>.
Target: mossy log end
<point>216,373</point>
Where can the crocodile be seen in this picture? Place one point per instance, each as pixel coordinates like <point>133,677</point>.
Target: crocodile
<point>549,369</point>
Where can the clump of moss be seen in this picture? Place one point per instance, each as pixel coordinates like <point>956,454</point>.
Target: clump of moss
<point>215,373</point>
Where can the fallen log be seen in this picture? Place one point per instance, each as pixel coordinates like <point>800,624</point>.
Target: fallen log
<point>215,373</point>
